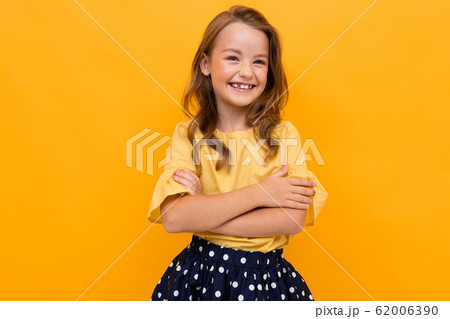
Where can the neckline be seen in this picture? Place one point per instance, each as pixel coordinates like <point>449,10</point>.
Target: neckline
<point>234,132</point>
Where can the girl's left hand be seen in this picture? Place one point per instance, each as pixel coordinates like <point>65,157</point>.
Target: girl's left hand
<point>189,180</point>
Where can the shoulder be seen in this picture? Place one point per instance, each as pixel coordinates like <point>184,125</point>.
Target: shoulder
<point>286,129</point>
<point>182,128</point>
<point>180,136</point>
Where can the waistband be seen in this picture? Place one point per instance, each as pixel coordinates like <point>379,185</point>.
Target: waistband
<point>214,253</point>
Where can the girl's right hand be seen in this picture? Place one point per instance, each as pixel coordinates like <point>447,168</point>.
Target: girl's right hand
<point>289,192</point>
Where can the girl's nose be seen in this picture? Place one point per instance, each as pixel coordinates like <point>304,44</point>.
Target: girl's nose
<point>245,70</point>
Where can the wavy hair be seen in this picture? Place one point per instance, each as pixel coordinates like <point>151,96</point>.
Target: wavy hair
<point>265,110</point>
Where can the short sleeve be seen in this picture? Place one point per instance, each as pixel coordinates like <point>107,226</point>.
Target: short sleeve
<point>297,168</point>
<point>179,158</point>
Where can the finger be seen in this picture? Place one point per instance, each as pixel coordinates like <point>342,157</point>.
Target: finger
<point>300,199</point>
<point>302,190</point>
<point>180,179</point>
<point>185,176</point>
<point>191,175</point>
<point>297,205</point>
<point>297,181</point>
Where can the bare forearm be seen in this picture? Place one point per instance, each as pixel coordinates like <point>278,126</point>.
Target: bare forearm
<point>262,222</point>
<point>202,212</point>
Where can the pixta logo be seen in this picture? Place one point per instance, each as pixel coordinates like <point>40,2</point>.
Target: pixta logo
<point>145,148</point>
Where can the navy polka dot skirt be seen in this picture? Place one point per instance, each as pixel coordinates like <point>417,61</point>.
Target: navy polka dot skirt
<point>206,271</point>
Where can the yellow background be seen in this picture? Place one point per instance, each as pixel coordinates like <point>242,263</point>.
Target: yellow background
<point>375,104</point>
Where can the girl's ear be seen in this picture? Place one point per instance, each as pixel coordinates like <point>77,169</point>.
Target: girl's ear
<point>204,65</point>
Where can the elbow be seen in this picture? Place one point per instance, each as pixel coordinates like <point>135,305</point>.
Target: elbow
<point>296,229</point>
<point>169,215</point>
<point>297,222</point>
<point>169,222</point>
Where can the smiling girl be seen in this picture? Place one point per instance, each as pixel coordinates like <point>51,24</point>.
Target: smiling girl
<point>240,206</point>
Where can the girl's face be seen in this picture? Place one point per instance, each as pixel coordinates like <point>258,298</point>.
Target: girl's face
<point>238,65</point>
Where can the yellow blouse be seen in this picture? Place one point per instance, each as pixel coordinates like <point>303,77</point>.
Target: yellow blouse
<point>248,157</point>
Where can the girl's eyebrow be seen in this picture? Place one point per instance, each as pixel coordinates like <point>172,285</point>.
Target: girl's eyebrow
<point>261,55</point>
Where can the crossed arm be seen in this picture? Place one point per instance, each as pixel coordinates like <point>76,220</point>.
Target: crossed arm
<point>265,221</point>
<point>237,213</point>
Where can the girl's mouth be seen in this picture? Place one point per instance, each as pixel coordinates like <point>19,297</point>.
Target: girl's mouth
<point>241,87</point>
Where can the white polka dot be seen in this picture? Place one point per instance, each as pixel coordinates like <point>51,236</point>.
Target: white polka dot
<point>268,261</point>
<point>273,285</point>
<point>254,276</point>
<point>168,277</point>
<point>178,268</point>
<point>303,293</point>
<point>265,276</point>
<point>190,297</point>
<point>200,248</point>
<point>185,286</point>
<point>303,280</point>
<point>195,263</point>
<point>259,287</point>
<point>284,270</point>
<point>226,271</point>
<point>176,293</point>
<point>204,290</point>
<point>212,279</point>
<point>171,264</point>
<point>221,269</point>
<point>159,295</point>
<point>225,257</point>
<point>279,274</point>
<point>196,276</point>
<point>266,286</point>
<point>245,274</point>
<point>283,297</point>
<point>186,271</point>
<point>291,289</point>
<point>257,261</point>
<point>212,268</point>
<point>251,287</point>
<point>310,297</point>
<point>159,281</point>
<point>294,274</point>
<point>243,260</point>
<point>218,294</point>
<point>211,253</point>
<point>235,284</point>
<point>297,296</point>
<point>201,266</point>
<point>256,299</point>
<point>241,297</point>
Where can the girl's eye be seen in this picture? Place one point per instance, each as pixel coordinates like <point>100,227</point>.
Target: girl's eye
<point>232,57</point>
<point>260,62</point>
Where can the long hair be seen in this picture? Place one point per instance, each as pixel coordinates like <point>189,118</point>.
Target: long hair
<point>265,110</point>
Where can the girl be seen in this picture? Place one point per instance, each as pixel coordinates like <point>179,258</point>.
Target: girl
<point>223,182</point>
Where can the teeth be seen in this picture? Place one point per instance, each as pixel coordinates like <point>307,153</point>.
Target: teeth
<point>242,86</point>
